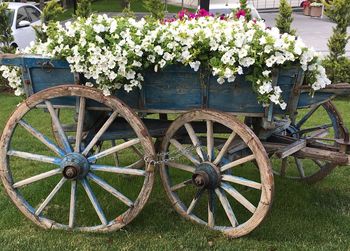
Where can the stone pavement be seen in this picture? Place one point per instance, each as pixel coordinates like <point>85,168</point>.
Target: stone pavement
<point>315,32</point>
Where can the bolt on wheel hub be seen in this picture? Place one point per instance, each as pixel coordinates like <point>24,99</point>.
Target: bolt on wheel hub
<point>75,166</point>
<point>206,176</point>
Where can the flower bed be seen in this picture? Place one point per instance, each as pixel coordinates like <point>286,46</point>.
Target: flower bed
<point>113,52</point>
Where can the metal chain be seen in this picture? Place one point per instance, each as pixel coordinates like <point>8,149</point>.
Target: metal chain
<point>175,155</point>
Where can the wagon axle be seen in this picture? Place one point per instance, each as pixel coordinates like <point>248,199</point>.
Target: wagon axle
<point>75,166</point>
<point>206,175</point>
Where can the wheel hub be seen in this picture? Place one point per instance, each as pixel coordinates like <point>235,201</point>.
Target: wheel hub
<point>74,166</point>
<point>206,176</point>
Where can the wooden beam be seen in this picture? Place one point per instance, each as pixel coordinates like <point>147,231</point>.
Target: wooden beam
<point>290,149</point>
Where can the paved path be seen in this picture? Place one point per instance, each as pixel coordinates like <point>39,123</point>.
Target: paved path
<point>314,31</point>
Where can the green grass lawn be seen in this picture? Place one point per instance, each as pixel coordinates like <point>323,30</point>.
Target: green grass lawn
<point>115,6</point>
<point>303,217</point>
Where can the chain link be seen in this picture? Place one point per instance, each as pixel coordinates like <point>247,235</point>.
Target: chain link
<point>172,156</point>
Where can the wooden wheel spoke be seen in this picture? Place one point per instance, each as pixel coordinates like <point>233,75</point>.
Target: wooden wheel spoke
<point>50,196</point>
<point>46,141</point>
<point>211,208</point>
<point>102,130</point>
<point>137,151</point>
<point>56,122</point>
<point>36,178</point>
<point>195,201</point>
<point>111,189</point>
<point>119,170</point>
<point>237,162</point>
<point>73,195</point>
<point>114,149</point>
<point>195,141</point>
<point>181,185</point>
<point>80,126</point>
<point>241,181</point>
<point>300,168</point>
<point>238,197</point>
<point>184,152</point>
<point>307,116</point>
<point>224,148</point>
<point>34,157</point>
<point>210,140</point>
<point>313,129</point>
<point>227,207</point>
<point>137,165</point>
<point>94,202</point>
<point>183,167</point>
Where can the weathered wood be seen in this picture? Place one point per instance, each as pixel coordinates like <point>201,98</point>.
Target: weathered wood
<point>46,141</point>
<point>195,140</point>
<point>72,204</point>
<point>94,202</point>
<point>110,189</point>
<point>210,140</point>
<point>80,126</point>
<point>100,132</point>
<point>265,188</point>
<point>184,152</point>
<point>50,197</point>
<point>290,149</point>
<point>225,148</point>
<point>35,178</point>
<point>227,207</point>
<point>119,170</point>
<point>194,201</point>
<point>241,181</point>
<point>73,92</point>
<point>114,149</point>
<point>238,197</point>
<point>237,162</point>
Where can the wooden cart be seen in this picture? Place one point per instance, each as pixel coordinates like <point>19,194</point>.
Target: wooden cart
<point>216,159</point>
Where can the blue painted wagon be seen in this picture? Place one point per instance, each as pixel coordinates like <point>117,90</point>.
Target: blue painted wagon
<point>216,148</point>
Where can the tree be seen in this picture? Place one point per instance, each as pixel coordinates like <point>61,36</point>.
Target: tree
<point>284,18</point>
<point>155,7</point>
<point>337,64</point>
<point>83,8</point>
<point>6,37</point>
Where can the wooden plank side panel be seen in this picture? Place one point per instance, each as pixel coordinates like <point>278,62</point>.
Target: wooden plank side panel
<point>175,88</point>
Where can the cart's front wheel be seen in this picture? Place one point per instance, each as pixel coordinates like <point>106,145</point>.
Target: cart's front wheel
<point>206,187</point>
<point>69,185</point>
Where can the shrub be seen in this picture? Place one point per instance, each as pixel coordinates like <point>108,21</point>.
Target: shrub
<point>284,18</point>
<point>155,7</point>
<point>337,65</point>
<point>84,9</point>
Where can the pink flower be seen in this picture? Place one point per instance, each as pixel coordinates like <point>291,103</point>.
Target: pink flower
<point>203,13</point>
<point>240,13</point>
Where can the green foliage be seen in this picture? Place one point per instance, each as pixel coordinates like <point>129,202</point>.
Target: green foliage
<point>6,37</point>
<point>339,70</point>
<point>83,9</point>
<point>50,13</point>
<point>284,18</point>
<point>336,64</point>
<point>155,7</point>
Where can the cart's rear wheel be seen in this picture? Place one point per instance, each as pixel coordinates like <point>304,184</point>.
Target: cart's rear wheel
<point>195,175</point>
<point>322,122</point>
<point>71,187</point>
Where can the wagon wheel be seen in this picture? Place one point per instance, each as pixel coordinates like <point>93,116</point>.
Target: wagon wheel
<point>72,187</point>
<point>321,122</point>
<point>196,181</point>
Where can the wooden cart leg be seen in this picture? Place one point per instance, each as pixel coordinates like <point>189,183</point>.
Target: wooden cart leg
<point>195,175</point>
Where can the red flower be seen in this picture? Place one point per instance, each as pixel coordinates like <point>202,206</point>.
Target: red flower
<point>240,13</point>
<point>305,4</point>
